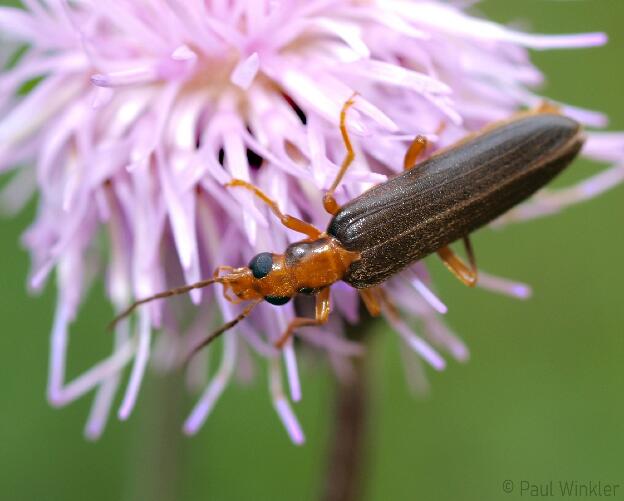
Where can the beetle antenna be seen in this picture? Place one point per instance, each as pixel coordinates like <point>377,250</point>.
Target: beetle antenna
<point>214,335</point>
<point>168,293</point>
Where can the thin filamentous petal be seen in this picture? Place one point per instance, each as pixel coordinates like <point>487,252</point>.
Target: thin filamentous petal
<point>100,410</point>
<point>35,110</point>
<point>96,375</point>
<point>414,369</point>
<point>292,371</point>
<point>441,336</point>
<point>451,20</point>
<point>280,323</point>
<point>426,293</point>
<point>17,192</point>
<point>105,394</point>
<point>418,344</point>
<point>140,363</point>
<point>214,389</point>
<point>61,393</point>
<point>282,407</point>
<point>552,201</point>
<point>245,72</point>
<point>58,354</point>
<point>605,146</point>
<point>505,286</point>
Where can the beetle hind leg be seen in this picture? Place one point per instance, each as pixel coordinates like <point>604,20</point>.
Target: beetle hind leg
<point>466,273</point>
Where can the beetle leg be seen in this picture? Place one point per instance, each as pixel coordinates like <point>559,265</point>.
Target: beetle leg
<point>547,107</point>
<point>321,315</point>
<point>466,273</point>
<point>290,222</point>
<point>376,300</point>
<point>415,150</point>
<point>226,286</point>
<point>329,202</point>
<point>390,307</point>
<point>226,294</point>
<point>217,272</point>
<point>371,301</point>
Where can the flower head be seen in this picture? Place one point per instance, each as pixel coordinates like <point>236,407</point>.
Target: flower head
<point>141,112</point>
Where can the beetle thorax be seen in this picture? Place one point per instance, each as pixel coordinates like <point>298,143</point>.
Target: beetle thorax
<point>318,263</point>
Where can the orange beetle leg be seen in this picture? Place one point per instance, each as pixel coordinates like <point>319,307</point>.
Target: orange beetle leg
<point>465,273</point>
<point>321,316</point>
<point>415,150</point>
<point>290,222</point>
<point>329,201</point>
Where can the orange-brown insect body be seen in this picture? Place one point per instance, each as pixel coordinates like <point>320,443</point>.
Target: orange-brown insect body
<point>305,268</point>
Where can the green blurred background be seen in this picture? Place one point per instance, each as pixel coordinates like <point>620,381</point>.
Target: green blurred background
<point>541,398</point>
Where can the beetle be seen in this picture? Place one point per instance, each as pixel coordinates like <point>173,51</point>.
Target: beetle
<point>420,211</point>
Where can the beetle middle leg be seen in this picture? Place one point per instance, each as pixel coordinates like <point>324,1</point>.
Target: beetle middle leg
<point>290,222</point>
<point>547,107</point>
<point>322,310</point>
<point>329,201</point>
<point>415,150</point>
<point>466,273</point>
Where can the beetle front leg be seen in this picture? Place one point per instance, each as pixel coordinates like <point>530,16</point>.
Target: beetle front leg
<point>321,315</point>
<point>226,286</point>
<point>290,222</point>
<point>465,273</point>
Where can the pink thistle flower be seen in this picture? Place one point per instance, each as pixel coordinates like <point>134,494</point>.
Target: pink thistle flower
<point>141,112</point>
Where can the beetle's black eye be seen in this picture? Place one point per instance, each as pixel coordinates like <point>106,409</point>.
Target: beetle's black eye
<point>277,300</point>
<point>261,264</point>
